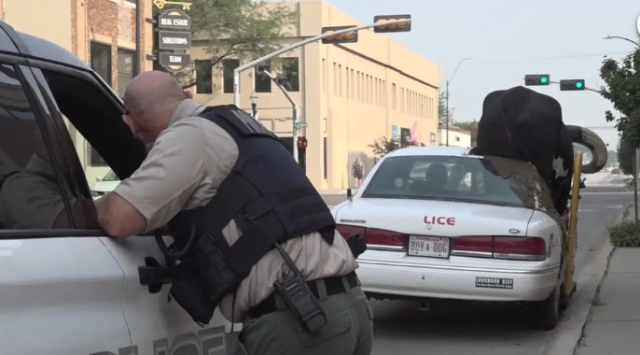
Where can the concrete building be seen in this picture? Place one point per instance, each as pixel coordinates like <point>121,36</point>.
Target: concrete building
<point>100,32</point>
<point>350,94</point>
<point>458,137</point>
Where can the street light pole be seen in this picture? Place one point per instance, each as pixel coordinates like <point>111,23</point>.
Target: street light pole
<point>624,39</point>
<point>238,70</point>
<point>447,97</point>
<point>138,66</point>
<point>296,113</point>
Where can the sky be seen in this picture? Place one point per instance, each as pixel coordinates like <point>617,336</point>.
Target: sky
<point>508,39</point>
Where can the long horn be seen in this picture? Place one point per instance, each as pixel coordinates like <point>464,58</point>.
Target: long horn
<point>594,143</point>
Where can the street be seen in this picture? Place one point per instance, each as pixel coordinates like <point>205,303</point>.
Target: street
<point>400,327</point>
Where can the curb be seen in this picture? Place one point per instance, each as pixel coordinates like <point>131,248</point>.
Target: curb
<point>571,333</point>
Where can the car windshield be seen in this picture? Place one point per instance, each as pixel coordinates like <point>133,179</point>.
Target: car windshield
<point>111,176</point>
<point>488,180</point>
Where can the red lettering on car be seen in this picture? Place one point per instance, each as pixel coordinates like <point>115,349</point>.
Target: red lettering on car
<point>442,220</point>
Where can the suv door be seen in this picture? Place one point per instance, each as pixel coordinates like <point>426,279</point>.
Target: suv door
<point>157,326</point>
<point>58,289</point>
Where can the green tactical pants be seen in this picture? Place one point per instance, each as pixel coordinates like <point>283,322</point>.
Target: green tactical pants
<point>349,329</point>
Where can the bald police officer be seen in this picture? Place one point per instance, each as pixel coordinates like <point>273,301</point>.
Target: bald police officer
<point>254,227</point>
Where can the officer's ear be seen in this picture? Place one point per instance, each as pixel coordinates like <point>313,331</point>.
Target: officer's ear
<point>188,94</point>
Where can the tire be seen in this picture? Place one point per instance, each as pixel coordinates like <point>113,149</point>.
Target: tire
<point>546,314</point>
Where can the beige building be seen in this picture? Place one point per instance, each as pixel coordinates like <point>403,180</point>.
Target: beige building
<point>100,32</point>
<point>350,94</point>
<point>458,137</point>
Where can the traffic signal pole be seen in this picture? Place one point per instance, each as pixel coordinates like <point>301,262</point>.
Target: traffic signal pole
<point>240,69</point>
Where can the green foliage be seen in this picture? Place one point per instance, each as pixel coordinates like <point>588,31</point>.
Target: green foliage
<point>626,154</point>
<point>625,233</point>
<point>381,146</point>
<point>239,29</point>
<point>622,88</point>
<point>471,126</point>
<point>442,109</point>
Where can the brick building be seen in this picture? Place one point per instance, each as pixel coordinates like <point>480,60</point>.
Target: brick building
<point>100,32</point>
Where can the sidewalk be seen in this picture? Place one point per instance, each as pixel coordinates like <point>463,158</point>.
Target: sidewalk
<point>613,326</point>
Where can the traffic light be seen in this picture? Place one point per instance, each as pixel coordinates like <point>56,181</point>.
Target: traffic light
<point>395,27</point>
<point>572,85</point>
<point>348,37</point>
<point>302,142</point>
<point>536,79</point>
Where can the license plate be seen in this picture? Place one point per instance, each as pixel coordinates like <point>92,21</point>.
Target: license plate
<point>433,247</point>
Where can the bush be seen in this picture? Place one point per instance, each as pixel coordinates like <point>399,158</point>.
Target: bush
<point>629,182</point>
<point>625,233</point>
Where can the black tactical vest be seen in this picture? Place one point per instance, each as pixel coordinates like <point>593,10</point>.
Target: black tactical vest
<point>267,194</point>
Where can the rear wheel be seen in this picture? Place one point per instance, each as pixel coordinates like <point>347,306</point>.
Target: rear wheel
<point>545,314</point>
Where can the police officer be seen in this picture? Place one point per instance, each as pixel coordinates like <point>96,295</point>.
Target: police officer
<point>262,222</point>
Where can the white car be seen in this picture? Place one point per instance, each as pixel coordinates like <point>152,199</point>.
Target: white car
<point>105,185</point>
<point>466,228</point>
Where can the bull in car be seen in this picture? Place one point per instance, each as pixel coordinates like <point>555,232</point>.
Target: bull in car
<point>519,123</point>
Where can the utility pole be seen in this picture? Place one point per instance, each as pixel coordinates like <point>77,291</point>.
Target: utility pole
<point>447,113</point>
<point>138,67</point>
<point>447,97</point>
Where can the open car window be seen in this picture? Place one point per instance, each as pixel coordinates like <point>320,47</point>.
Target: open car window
<point>33,194</point>
<point>492,181</point>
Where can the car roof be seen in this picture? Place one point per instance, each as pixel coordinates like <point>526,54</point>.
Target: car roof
<point>26,45</point>
<point>432,150</point>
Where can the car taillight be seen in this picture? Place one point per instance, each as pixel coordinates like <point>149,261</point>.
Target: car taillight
<point>511,248</point>
<point>377,239</point>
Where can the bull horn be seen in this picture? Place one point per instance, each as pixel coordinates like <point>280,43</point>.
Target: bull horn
<point>594,143</point>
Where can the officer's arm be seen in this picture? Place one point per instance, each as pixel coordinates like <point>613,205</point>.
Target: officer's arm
<point>158,190</point>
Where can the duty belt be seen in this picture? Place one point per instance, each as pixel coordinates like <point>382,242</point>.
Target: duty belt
<point>333,285</point>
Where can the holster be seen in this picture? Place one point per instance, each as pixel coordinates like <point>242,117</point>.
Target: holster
<point>357,244</point>
<point>188,290</point>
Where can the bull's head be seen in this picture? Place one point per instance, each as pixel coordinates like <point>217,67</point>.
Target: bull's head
<point>594,143</point>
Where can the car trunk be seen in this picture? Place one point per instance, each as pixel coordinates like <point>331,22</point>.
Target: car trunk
<point>441,229</point>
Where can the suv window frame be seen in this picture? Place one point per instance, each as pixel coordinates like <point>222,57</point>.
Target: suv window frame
<point>41,117</point>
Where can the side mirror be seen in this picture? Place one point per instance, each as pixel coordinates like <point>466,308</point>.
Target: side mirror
<point>349,193</point>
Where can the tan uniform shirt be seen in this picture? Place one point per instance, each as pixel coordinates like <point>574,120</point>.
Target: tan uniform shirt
<point>183,170</point>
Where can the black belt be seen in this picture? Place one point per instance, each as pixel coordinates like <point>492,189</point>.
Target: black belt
<point>333,285</point>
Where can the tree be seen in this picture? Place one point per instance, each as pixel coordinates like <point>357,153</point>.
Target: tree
<point>382,146</point>
<point>626,154</point>
<point>238,29</point>
<point>471,126</point>
<point>442,109</point>
<point>623,90</point>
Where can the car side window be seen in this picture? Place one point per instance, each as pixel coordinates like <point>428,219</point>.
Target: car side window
<point>30,189</point>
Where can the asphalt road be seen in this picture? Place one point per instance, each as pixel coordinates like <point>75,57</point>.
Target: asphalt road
<point>401,328</point>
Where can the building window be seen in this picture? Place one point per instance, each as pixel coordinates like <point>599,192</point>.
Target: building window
<point>126,69</point>
<point>262,82</point>
<point>324,158</point>
<point>204,77</point>
<point>101,61</point>
<point>457,139</point>
<point>228,66</point>
<point>291,70</point>
<point>432,137</point>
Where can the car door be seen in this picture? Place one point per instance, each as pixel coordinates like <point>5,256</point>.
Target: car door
<point>59,289</point>
<point>157,326</point>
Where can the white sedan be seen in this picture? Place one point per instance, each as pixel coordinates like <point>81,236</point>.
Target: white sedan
<point>441,224</point>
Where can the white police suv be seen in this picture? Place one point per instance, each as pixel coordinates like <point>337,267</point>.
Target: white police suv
<point>65,287</point>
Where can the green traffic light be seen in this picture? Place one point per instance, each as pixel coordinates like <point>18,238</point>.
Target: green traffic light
<point>579,85</point>
<point>544,80</point>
